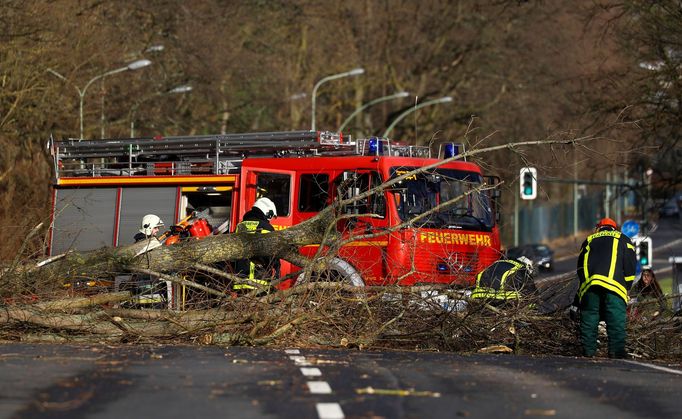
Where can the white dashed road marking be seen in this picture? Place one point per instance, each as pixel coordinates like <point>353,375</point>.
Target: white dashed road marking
<point>329,411</point>
<point>300,360</point>
<point>324,410</point>
<point>319,387</point>
<point>311,372</point>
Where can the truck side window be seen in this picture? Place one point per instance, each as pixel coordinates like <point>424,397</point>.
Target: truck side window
<point>313,192</point>
<point>351,184</point>
<point>277,187</point>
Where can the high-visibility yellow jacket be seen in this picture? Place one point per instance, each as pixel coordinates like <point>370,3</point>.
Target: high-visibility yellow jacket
<point>503,280</point>
<point>607,259</point>
<point>254,222</point>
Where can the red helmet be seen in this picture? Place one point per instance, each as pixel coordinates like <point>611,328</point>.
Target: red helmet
<point>607,222</point>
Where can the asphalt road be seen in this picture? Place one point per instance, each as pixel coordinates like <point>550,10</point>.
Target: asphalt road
<point>58,381</point>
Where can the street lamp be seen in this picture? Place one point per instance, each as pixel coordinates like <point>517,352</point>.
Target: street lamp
<point>185,88</point>
<point>353,72</point>
<point>297,96</point>
<point>135,65</point>
<point>371,103</point>
<point>407,112</point>
<point>155,48</point>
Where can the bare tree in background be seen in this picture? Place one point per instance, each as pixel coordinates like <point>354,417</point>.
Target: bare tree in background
<point>521,69</point>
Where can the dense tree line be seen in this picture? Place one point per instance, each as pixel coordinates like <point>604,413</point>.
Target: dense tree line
<point>515,70</point>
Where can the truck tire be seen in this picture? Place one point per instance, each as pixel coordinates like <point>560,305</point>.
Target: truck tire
<point>338,271</point>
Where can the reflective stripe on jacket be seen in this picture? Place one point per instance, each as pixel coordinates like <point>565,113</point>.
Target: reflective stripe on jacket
<point>607,259</point>
<point>502,281</point>
<point>251,282</point>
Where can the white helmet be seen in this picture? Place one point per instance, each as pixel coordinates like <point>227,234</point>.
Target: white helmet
<point>149,222</point>
<point>527,262</point>
<point>267,206</point>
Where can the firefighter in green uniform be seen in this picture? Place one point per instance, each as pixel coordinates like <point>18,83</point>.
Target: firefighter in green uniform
<point>257,271</point>
<point>506,280</point>
<point>606,269</point>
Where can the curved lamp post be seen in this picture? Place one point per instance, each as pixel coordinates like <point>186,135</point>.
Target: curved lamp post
<point>185,88</point>
<point>400,117</point>
<point>135,65</point>
<point>371,103</point>
<point>353,72</point>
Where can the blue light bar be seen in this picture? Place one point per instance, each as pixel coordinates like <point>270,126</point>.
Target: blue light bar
<point>451,150</point>
<point>375,146</point>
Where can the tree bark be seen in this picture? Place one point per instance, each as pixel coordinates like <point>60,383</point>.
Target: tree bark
<point>212,249</point>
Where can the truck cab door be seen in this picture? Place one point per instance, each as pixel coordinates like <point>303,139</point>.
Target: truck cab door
<point>365,221</point>
<point>273,184</point>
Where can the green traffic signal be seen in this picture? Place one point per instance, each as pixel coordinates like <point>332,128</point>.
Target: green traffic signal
<point>644,254</point>
<point>528,183</point>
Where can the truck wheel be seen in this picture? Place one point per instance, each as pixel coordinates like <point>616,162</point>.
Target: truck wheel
<point>338,271</point>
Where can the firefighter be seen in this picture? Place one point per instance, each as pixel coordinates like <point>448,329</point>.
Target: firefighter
<point>505,280</point>
<point>257,271</point>
<point>148,290</point>
<point>149,227</point>
<point>606,269</point>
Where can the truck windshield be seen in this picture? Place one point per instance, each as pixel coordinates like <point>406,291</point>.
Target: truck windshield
<point>420,193</point>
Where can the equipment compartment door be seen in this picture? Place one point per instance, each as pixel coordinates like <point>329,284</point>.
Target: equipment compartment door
<point>136,202</point>
<point>83,219</point>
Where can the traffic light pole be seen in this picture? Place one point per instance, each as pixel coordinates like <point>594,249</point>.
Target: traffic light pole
<point>516,219</point>
<point>584,182</point>
<point>528,175</point>
<point>577,182</point>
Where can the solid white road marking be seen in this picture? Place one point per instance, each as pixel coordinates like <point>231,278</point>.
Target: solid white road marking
<point>311,372</point>
<point>656,367</point>
<point>292,351</point>
<point>319,387</point>
<point>329,411</point>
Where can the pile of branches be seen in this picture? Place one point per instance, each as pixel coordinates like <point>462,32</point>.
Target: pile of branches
<point>328,315</point>
<point>35,306</point>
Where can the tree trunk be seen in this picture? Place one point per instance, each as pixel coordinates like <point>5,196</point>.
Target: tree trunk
<point>212,249</point>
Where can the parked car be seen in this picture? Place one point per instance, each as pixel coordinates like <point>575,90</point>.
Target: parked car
<point>540,254</point>
<point>671,207</point>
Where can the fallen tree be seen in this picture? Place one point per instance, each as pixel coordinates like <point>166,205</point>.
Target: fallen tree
<point>335,315</point>
<point>283,244</point>
<point>311,314</point>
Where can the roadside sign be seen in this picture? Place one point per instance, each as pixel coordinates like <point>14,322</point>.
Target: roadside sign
<point>630,228</point>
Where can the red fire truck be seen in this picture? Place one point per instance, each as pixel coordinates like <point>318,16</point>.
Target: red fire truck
<point>103,188</point>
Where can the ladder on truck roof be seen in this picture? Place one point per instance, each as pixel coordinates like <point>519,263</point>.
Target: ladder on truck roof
<point>183,155</point>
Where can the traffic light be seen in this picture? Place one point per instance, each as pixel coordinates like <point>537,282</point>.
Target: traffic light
<point>644,252</point>
<point>528,179</point>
